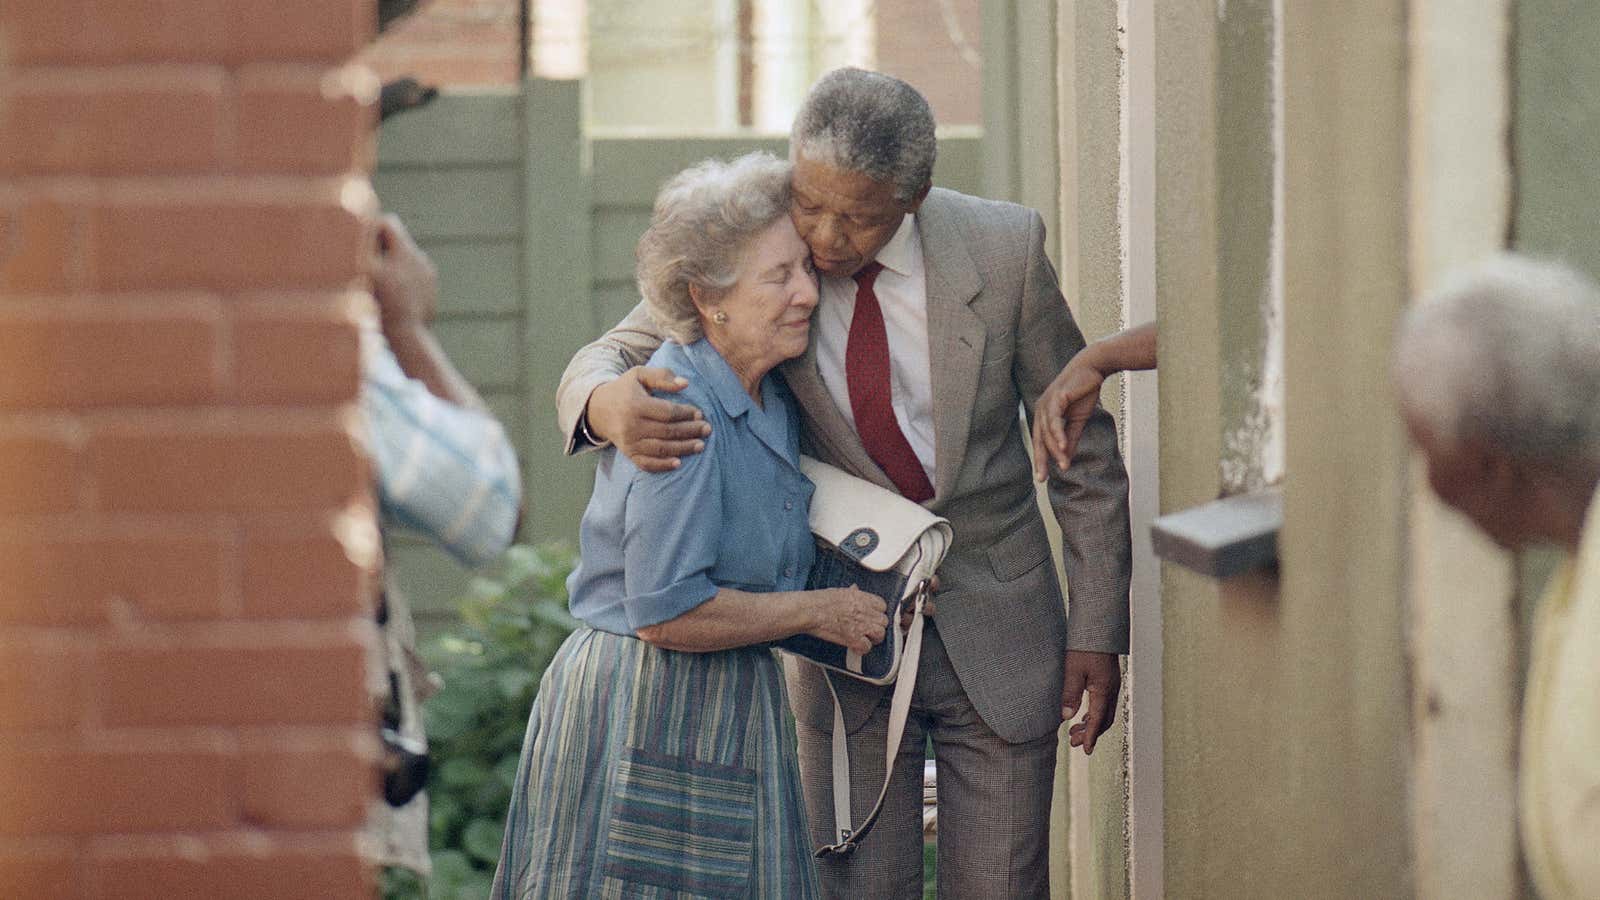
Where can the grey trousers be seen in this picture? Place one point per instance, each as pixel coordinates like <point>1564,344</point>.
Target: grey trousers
<point>994,799</point>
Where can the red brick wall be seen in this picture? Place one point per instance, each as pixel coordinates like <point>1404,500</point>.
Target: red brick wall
<point>184,618</point>
<point>451,42</point>
<point>914,43</point>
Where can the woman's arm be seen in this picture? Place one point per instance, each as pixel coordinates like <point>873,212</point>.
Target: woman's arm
<point>735,618</point>
<point>1065,405</point>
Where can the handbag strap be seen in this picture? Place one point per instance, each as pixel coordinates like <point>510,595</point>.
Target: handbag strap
<point>899,710</point>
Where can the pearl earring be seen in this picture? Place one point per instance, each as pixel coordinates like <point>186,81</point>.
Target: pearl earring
<point>719,317</point>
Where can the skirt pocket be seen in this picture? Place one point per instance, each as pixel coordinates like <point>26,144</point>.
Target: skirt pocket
<point>681,824</point>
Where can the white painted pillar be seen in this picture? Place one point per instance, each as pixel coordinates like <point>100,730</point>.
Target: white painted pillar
<point>1463,620</point>
<point>1146,826</point>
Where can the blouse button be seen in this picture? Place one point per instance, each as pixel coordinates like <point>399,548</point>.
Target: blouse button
<point>789,572</point>
<point>788,504</point>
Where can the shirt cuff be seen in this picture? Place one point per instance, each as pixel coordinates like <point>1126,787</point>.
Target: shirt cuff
<point>669,602</point>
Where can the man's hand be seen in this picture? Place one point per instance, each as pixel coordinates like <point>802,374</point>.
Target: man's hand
<point>1062,411</point>
<point>1098,675</point>
<point>651,431</point>
<point>405,282</point>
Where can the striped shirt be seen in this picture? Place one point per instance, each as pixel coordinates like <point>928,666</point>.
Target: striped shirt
<point>443,470</point>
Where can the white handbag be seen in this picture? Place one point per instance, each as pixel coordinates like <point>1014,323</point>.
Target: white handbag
<point>879,541</point>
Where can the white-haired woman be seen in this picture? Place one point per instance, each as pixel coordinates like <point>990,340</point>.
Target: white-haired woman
<point>657,760</point>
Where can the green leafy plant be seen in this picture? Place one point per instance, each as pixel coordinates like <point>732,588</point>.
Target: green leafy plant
<point>511,625</point>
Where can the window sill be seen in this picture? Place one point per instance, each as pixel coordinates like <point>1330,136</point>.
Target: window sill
<point>1224,538</point>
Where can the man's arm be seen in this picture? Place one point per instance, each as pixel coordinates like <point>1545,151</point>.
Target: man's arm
<point>1067,404</point>
<point>1090,501</point>
<point>405,285</point>
<point>443,464</point>
<point>605,395</point>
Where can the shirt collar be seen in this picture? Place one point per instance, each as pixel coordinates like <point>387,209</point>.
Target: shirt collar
<point>900,254</point>
<point>717,375</point>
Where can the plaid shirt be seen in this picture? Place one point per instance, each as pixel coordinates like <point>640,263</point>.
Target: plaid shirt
<point>443,470</point>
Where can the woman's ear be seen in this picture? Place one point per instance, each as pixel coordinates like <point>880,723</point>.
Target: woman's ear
<point>697,295</point>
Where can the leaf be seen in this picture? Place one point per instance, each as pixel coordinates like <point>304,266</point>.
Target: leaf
<point>482,840</point>
<point>505,771</point>
<point>450,868</point>
<point>447,716</point>
<point>463,773</point>
<point>514,682</point>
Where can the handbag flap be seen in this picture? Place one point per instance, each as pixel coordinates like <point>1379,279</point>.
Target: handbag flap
<point>872,525</point>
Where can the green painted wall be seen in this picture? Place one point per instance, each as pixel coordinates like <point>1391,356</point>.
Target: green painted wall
<point>1556,130</point>
<point>1555,149</point>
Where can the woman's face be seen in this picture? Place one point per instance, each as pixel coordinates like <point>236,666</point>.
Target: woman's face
<point>769,308</point>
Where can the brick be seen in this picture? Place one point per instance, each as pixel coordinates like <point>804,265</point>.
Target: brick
<point>96,31</point>
<point>115,121</point>
<point>40,684</point>
<point>40,243</point>
<point>89,353</point>
<point>228,240</point>
<point>289,355</point>
<point>263,869</point>
<point>289,786</point>
<point>68,790</point>
<point>306,121</point>
<point>38,873</point>
<point>309,575</point>
<point>313,682</point>
<point>39,473</point>
<point>71,580</point>
<point>211,468</point>
<point>313,30</point>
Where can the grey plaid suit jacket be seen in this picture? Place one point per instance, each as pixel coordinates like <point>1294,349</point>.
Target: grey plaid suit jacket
<point>999,331</point>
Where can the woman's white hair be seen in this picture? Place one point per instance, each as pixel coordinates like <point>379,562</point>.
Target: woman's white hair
<point>704,218</point>
<point>1507,353</point>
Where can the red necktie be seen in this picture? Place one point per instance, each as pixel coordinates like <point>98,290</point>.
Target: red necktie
<point>866,367</point>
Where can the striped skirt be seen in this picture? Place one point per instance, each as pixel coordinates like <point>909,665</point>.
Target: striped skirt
<point>649,773</point>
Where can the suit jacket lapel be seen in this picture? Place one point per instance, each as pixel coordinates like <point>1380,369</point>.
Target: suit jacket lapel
<point>825,424</point>
<point>956,336</point>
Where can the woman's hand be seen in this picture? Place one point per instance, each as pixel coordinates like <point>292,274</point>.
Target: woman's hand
<point>907,610</point>
<point>849,617</point>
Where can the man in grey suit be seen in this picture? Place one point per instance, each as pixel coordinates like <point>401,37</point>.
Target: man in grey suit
<point>940,314</point>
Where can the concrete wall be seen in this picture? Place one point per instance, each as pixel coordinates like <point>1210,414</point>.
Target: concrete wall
<point>1286,729</point>
<point>1462,624</point>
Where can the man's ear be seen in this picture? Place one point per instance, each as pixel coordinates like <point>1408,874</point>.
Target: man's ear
<point>1499,472</point>
<point>922,195</point>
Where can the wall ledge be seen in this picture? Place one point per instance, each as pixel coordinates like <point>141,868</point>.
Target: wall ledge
<point>1223,538</point>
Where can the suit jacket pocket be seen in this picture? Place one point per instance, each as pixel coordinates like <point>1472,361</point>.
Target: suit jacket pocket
<point>1021,551</point>
<point>681,824</point>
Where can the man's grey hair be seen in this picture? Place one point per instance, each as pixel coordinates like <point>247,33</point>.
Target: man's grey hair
<point>1507,354</point>
<point>705,217</point>
<point>870,123</point>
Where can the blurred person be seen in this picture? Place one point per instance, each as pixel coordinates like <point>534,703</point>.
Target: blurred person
<point>657,760</point>
<point>1067,404</point>
<point>940,315</point>
<point>1498,377</point>
<point>444,469</point>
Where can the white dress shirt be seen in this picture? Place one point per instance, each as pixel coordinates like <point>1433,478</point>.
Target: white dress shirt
<point>902,291</point>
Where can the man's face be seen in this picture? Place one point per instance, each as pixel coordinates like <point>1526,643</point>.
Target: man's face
<point>1482,485</point>
<point>844,217</point>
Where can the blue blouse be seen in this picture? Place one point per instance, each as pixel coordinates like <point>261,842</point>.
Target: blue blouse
<point>654,546</point>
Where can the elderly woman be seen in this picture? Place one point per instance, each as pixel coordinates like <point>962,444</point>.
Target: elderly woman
<point>657,760</point>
